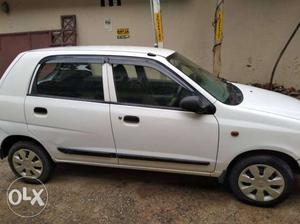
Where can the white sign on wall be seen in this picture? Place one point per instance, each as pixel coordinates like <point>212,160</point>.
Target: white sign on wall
<point>108,24</point>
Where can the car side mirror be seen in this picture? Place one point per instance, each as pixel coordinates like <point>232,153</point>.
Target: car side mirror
<point>197,104</point>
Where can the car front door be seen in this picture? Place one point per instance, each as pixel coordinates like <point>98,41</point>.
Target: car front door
<point>66,109</point>
<point>150,130</point>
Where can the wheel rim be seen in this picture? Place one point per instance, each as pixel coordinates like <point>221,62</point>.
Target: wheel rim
<point>261,182</point>
<point>27,163</point>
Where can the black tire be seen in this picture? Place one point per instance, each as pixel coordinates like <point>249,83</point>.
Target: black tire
<point>48,164</point>
<point>274,162</point>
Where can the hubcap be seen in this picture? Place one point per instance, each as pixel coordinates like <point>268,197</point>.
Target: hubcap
<point>27,163</point>
<point>261,182</point>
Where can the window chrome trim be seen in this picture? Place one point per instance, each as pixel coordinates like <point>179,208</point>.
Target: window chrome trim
<point>114,103</point>
<point>67,98</point>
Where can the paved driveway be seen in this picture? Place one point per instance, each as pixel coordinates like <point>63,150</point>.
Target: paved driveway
<point>83,194</point>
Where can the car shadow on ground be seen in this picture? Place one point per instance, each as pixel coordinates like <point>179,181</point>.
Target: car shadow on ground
<point>124,177</point>
<point>70,171</point>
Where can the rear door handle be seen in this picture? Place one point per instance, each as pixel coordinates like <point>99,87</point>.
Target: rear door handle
<point>131,119</point>
<point>40,110</point>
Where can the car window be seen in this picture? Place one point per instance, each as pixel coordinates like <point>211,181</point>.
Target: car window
<point>149,86</point>
<point>81,80</point>
<point>212,84</point>
<point>153,74</point>
<point>131,71</point>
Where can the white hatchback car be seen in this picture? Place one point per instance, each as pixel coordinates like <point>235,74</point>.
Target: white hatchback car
<point>148,109</point>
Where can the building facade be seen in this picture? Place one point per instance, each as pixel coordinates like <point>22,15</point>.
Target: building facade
<point>255,31</point>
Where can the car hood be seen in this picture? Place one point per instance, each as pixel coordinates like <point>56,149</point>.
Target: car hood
<point>269,101</point>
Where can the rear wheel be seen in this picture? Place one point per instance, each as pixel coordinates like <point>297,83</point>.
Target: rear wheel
<point>261,180</point>
<point>30,161</point>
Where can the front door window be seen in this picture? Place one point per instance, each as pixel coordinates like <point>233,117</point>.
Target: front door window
<point>145,85</point>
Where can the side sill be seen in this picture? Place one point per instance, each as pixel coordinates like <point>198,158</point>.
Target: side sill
<point>206,174</point>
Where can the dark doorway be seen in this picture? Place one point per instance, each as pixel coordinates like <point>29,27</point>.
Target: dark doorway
<point>14,43</point>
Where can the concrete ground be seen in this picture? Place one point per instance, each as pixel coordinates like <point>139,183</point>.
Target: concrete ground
<point>83,194</point>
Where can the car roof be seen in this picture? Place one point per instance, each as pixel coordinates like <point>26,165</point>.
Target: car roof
<point>130,49</point>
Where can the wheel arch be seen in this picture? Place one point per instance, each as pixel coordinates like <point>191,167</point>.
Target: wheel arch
<point>281,155</point>
<point>9,141</point>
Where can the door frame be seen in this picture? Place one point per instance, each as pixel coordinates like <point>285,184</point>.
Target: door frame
<point>76,155</point>
<point>129,60</point>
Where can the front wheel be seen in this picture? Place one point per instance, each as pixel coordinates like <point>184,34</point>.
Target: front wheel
<point>261,180</point>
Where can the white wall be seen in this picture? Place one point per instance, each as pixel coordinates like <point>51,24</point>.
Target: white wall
<point>255,30</point>
<point>254,34</point>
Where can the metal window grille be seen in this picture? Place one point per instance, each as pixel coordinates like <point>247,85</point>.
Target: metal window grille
<point>110,3</point>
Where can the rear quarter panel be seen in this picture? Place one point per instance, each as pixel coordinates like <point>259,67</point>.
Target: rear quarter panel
<point>13,89</point>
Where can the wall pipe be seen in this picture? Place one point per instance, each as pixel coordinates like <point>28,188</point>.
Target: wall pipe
<point>281,54</point>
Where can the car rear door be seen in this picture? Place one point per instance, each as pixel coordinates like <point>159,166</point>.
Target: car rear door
<point>150,130</point>
<point>67,109</point>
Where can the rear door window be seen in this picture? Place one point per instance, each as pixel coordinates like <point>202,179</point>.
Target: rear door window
<point>70,77</point>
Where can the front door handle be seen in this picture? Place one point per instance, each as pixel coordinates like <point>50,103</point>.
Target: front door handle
<point>131,119</point>
<point>40,110</point>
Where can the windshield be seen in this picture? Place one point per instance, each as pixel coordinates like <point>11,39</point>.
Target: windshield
<point>216,87</point>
